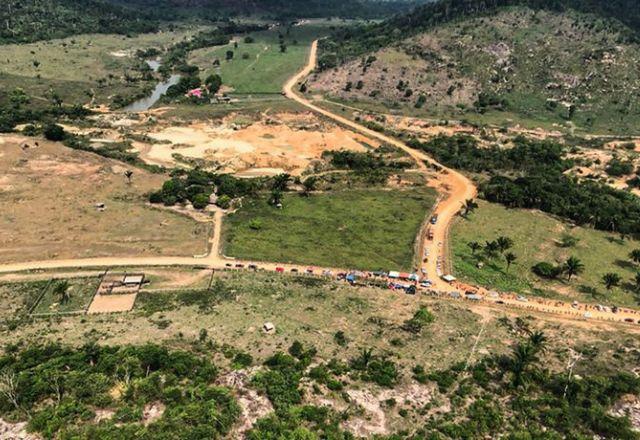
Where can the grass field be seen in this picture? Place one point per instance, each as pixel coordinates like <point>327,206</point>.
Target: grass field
<point>72,66</point>
<point>50,194</point>
<point>351,229</point>
<point>260,67</point>
<point>536,238</point>
<point>80,291</point>
<point>17,298</point>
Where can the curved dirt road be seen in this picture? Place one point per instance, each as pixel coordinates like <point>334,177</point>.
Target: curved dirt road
<point>455,187</point>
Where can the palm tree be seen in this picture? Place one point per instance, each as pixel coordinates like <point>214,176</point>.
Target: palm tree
<point>573,266</point>
<point>538,340</point>
<point>62,290</point>
<point>468,207</point>
<point>281,181</point>
<point>504,243</point>
<point>510,257</point>
<point>276,197</point>
<point>491,248</point>
<point>611,280</point>
<point>524,354</point>
<point>474,246</point>
<point>128,174</point>
<point>309,185</point>
<point>635,255</point>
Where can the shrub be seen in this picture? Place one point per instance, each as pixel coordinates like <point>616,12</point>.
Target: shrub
<point>54,132</point>
<point>546,270</point>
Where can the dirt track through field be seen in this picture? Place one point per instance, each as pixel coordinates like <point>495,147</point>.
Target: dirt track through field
<point>455,189</point>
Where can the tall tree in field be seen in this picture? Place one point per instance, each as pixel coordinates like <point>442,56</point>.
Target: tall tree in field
<point>129,175</point>
<point>573,266</point>
<point>611,280</point>
<point>510,258</point>
<point>504,244</point>
<point>474,246</point>
<point>468,207</point>
<point>635,255</point>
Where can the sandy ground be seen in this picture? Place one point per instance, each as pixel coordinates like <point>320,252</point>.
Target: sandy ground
<point>49,193</point>
<point>112,303</point>
<point>282,143</point>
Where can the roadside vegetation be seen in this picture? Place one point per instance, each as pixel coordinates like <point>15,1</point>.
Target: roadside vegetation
<point>553,258</point>
<point>391,367</point>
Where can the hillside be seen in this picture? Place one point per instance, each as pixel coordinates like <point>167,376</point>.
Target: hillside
<point>33,20</point>
<point>519,63</point>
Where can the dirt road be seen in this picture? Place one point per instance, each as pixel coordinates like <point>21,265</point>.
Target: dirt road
<point>455,187</point>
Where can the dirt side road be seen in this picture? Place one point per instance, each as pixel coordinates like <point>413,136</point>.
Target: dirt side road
<point>455,187</point>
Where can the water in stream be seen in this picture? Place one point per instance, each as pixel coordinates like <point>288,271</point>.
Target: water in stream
<point>161,88</point>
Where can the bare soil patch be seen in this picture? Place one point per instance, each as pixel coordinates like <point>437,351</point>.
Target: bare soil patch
<point>51,197</point>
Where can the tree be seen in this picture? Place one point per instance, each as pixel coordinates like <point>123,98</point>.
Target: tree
<point>281,181</point>
<point>276,197</point>
<point>213,83</point>
<point>129,175</point>
<point>283,48</point>
<point>510,259</point>
<point>309,185</point>
<point>18,98</point>
<point>611,280</point>
<point>61,289</point>
<point>229,55</point>
<point>468,207</point>
<point>573,266</point>
<point>474,246</point>
<point>54,132</point>
<point>538,339</point>
<point>504,244</point>
<point>635,256</point>
<point>491,248</point>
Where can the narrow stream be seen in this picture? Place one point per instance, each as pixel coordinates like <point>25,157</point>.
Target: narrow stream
<point>161,88</point>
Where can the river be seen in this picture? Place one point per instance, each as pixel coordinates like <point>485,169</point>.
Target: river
<point>161,88</point>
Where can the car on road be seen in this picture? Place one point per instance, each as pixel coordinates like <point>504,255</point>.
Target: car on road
<point>239,265</point>
<point>253,267</point>
<point>522,299</point>
<point>228,265</point>
<point>294,270</point>
<point>280,269</point>
<point>426,283</point>
<point>434,219</point>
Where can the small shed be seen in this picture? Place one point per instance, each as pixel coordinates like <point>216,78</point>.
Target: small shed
<point>133,279</point>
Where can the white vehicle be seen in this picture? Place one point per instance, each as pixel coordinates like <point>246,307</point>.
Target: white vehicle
<point>426,283</point>
<point>522,299</point>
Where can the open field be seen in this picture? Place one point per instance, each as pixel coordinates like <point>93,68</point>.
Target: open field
<point>17,298</point>
<point>49,195</point>
<point>537,238</point>
<point>80,291</point>
<point>360,229</point>
<point>260,67</point>
<point>73,66</point>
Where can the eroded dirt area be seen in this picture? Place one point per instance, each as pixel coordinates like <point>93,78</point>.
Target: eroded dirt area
<point>261,146</point>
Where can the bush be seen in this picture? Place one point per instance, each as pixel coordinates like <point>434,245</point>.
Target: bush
<point>200,201</point>
<point>547,270</point>
<point>54,132</point>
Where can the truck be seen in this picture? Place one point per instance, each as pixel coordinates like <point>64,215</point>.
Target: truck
<point>429,234</point>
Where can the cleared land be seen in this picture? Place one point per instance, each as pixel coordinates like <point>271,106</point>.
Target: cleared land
<point>537,238</point>
<point>261,67</point>
<point>49,195</point>
<point>361,229</point>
